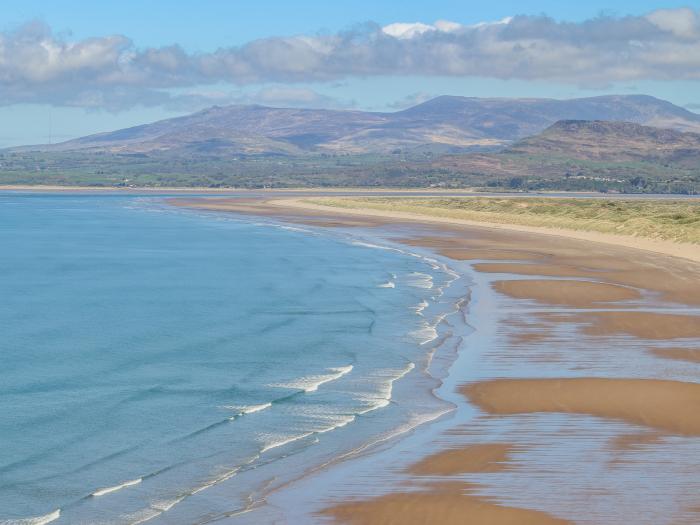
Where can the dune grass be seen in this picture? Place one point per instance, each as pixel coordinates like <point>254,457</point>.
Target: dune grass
<point>672,220</point>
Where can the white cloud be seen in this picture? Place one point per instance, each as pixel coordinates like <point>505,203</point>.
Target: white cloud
<point>403,30</point>
<point>406,30</point>
<point>503,21</point>
<point>111,72</point>
<point>683,22</point>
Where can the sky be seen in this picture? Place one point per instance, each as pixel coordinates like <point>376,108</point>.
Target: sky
<point>70,68</point>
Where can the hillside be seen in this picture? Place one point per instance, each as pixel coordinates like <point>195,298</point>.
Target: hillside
<point>441,125</point>
<point>613,141</point>
<point>585,155</point>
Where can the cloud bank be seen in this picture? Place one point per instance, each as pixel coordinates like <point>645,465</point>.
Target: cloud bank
<point>39,66</point>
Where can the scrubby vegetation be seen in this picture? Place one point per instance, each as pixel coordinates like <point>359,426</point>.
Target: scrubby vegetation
<point>675,220</point>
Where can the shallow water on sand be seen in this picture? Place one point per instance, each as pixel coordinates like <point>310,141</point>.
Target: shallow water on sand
<point>170,366</point>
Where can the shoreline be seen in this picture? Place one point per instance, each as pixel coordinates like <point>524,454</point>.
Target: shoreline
<point>682,250</point>
<point>359,190</point>
<point>412,390</point>
<point>559,335</point>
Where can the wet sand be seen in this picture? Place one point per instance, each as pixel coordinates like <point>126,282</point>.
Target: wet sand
<point>444,504</point>
<point>645,325</point>
<point>671,406</point>
<point>577,421</point>
<point>488,457</point>
<point>565,292</point>
<point>692,355</point>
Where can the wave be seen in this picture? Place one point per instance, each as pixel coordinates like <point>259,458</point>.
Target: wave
<point>202,430</point>
<point>280,441</point>
<point>284,441</point>
<point>293,228</point>
<point>108,490</point>
<point>154,510</point>
<point>38,520</point>
<point>388,284</point>
<point>255,408</point>
<point>223,477</point>
<point>434,264</point>
<point>159,507</point>
<point>250,409</point>
<point>312,382</point>
<point>420,280</point>
<point>374,246</point>
<point>383,396</point>
<point>339,423</point>
<point>424,334</point>
<point>420,307</point>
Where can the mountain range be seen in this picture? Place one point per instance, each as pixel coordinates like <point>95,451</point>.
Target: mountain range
<point>608,143</point>
<point>443,124</point>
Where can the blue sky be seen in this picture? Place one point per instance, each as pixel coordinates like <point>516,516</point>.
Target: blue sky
<point>207,24</point>
<point>159,89</point>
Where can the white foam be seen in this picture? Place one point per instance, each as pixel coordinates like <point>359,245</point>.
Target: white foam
<point>294,229</point>
<point>420,307</point>
<point>154,510</point>
<point>338,423</point>
<point>226,476</point>
<point>108,490</point>
<point>424,334</point>
<point>38,520</point>
<point>375,404</point>
<point>284,441</point>
<point>312,382</point>
<point>249,409</point>
<point>255,408</point>
<point>434,264</point>
<point>375,246</point>
<point>420,280</point>
<point>383,397</point>
<point>389,284</point>
<point>166,505</point>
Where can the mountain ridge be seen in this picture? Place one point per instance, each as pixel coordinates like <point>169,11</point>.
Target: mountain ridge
<point>452,122</point>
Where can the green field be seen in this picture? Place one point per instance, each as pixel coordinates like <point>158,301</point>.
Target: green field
<point>401,170</point>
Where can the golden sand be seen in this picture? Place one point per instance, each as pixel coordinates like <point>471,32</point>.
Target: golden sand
<point>549,270</point>
<point>636,440</point>
<point>565,292</point>
<point>446,504</point>
<point>671,406</point>
<point>646,325</point>
<point>487,457</point>
<point>691,355</point>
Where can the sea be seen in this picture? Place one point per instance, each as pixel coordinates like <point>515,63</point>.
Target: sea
<point>166,365</point>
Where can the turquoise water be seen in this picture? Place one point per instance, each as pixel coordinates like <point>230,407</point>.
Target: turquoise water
<point>170,366</point>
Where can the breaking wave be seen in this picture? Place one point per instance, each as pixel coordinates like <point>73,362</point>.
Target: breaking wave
<point>115,488</point>
<point>312,382</point>
<point>38,520</point>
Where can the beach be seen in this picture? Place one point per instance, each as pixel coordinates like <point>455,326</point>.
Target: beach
<point>577,396</point>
